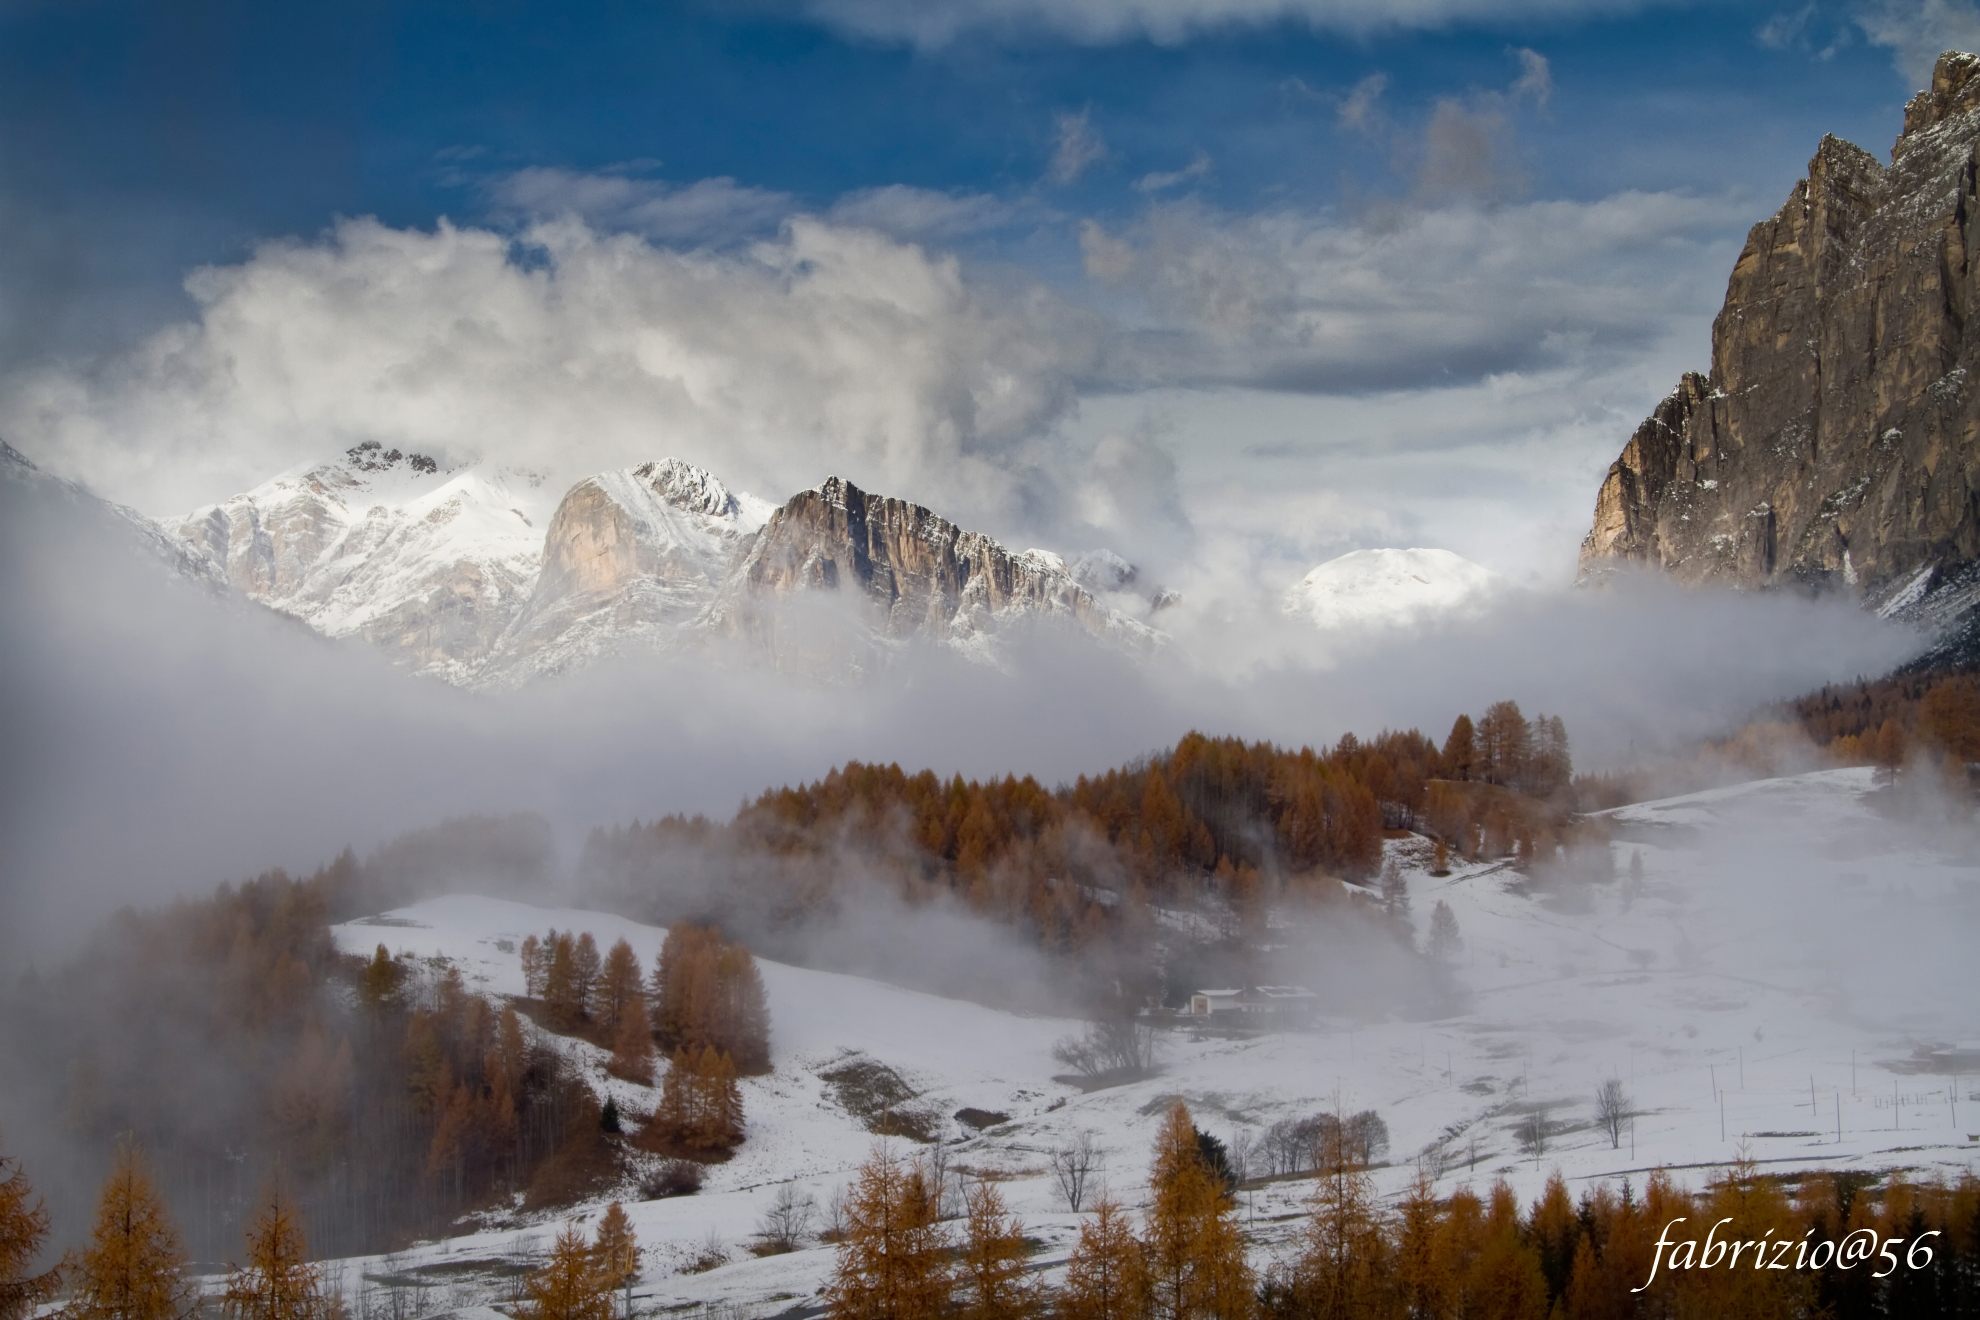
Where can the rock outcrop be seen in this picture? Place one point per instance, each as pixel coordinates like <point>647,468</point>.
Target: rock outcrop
<point>903,573</point>
<point>1835,443</point>
<point>632,559</point>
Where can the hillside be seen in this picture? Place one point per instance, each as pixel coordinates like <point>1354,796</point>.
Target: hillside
<point>1784,935</point>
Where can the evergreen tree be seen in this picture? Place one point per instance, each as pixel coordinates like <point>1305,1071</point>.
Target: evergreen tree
<point>278,1282</point>
<point>1106,1277</point>
<point>134,1266</point>
<point>23,1229</point>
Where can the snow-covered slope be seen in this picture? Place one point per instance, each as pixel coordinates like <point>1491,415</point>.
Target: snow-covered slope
<point>428,565</point>
<point>1375,589</point>
<point>1774,985</point>
<point>188,562</point>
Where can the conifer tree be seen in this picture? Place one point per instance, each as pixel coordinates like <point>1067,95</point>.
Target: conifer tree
<point>533,966</point>
<point>892,1261</point>
<point>1460,749</point>
<point>378,990</point>
<point>561,996</point>
<point>569,1285</point>
<point>1424,1284</point>
<point>278,1282</point>
<point>134,1266</point>
<point>1106,1277</point>
<point>1342,1271</point>
<point>1195,1259</point>
<point>23,1229</point>
<point>993,1254</point>
<point>632,1048</point>
<point>586,965</point>
<point>1444,941</point>
<point>619,990</point>
<point>616,1250</point>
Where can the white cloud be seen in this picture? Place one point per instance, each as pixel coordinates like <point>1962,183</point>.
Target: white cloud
<point>1360,109</point>
<point>921,213</point>
<point>1917,31</point>
<point>826,349</point>
<point>1536,77</point>
<point>1079,147</point>
<point>934,23</point>
<point>709,210</point>
<point>1160,181</point>
<point>1413,296</point>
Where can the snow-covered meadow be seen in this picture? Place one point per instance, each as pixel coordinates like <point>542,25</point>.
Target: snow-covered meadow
<point>1793,980</point>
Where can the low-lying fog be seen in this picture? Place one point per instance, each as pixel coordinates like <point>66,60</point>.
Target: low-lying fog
<point>159,739</point>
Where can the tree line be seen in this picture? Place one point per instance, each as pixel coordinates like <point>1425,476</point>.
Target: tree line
<point>134,1265</point>
<point>1077,867</point>
<point>230,1036</point>
<point>1424,1257</point>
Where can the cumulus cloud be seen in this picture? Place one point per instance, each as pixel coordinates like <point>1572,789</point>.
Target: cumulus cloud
<point>1917,31</point>
<point>935,23</point>
<point>823,349</point>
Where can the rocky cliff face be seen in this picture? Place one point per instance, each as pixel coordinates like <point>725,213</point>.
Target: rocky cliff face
<point>632,558</point>
<point>1836,441</point>
<point>904,573</point>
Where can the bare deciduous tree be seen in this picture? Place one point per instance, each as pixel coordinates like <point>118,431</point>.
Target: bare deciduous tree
<point>787,1223</point>
<point>1612,1110</point>
<point>1535,1132</point>
<point>1122,1047</point>
<point>1072,1165</point>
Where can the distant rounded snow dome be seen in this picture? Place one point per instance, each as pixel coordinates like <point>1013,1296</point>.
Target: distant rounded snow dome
<point>1370,589</point>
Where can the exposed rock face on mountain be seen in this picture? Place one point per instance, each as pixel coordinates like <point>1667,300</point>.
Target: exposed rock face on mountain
<point>428,566</point>
<point>455,574</point>
<point>1836,441</point>
<point>631,558</point>
<point>907,574</point>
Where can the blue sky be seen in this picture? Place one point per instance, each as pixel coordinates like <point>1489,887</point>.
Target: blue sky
<point>1250,281</point>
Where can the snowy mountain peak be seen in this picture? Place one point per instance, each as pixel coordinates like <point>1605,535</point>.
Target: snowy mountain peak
<point>429,565</point>
<point>14,458</point>
<point>688,487</point>
<point>1390,588</point>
